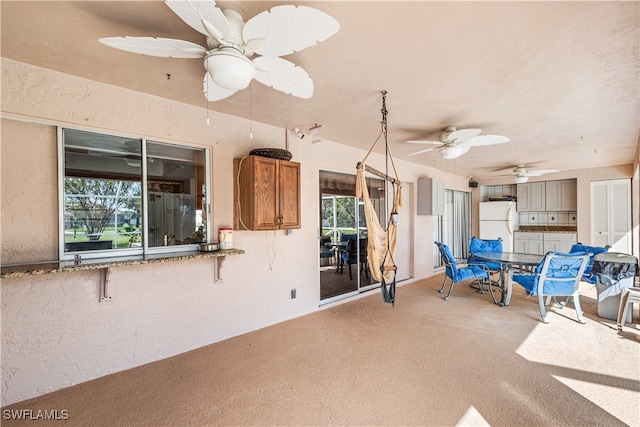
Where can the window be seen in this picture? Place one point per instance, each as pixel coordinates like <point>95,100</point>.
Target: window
<point>112,201</point>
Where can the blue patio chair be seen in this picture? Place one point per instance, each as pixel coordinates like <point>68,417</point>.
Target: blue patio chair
<point>326,253</point>
<point>477,246</point>
<point>558,274</point>
<point>354,249</point>
<point>588,276</point>
<point>459,274</point>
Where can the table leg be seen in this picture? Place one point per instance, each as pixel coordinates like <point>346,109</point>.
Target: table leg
<point>506,294</point>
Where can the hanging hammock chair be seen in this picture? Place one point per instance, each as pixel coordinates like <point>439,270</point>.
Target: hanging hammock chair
<point>381,245</point>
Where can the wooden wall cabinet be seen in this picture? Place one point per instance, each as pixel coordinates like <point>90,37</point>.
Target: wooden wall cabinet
<point>266,194</point>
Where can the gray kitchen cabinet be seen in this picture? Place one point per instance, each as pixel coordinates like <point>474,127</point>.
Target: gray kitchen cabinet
<point>561,196</point>
<point>531,197</point>
<point>528,243</point>
<point>559,242</point>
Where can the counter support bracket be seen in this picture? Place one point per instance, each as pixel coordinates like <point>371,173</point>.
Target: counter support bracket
<point>105,295</point>
<point>217,266</point>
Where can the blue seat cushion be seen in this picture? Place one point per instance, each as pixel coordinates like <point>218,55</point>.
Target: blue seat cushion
<point>551,287</point>
<point>471,272</point>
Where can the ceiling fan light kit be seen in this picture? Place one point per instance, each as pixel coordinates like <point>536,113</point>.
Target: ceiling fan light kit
<point>231,43</point>
<point>522,174</point>
<point>230,69</point>
<point>455,142</point>
<point>453,152</point>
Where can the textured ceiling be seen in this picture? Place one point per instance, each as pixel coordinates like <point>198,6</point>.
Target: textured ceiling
<point>561,79</point>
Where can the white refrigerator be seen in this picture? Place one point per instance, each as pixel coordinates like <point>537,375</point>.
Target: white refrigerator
<point>499,220</point>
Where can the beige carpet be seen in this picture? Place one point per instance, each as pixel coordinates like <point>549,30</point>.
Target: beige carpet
<point>425,362</point>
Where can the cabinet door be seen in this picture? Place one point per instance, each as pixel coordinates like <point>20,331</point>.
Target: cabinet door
<point>520,246</point>
<point>536,246</point>
<point>289,186</point>
<point>523,197</point>
<point>266,193</point>
<point>569,195</point>
<point>537,196</point>
<point>553,195</point>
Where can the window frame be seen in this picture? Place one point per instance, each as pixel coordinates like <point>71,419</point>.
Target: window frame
<point>144,250</point>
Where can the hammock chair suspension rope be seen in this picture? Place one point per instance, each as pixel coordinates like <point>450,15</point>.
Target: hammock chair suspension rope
<point>381,244</point>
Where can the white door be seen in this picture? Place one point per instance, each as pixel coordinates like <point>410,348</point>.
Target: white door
<point>611,214</point>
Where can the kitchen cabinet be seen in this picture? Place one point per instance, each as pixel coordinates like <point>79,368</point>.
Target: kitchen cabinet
<point>559,242</point>
<point>266,194</point>
<point>531,197</point>
<point>561,196</point>
<point>541,243</point>
<point>528,243</point>
<point>430,196</point>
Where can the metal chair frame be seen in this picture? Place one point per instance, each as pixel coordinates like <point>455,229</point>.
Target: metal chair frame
<point>558,274</point>
<point>478,272</point>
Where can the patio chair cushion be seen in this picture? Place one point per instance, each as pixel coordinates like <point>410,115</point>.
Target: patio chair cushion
<point>588,276</point>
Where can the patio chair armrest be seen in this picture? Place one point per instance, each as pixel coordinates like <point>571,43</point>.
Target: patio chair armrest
<point>481,265</point>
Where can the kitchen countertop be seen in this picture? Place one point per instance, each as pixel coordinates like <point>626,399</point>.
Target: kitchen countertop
<point>547,229</point>
<point>47,267</point>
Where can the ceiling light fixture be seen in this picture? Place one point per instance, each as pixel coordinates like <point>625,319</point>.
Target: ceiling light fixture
<point>452,152</point>
<point>230,69</point>
<point>520,179</point>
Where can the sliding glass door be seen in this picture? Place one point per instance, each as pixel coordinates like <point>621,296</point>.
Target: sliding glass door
<point>342,236</point>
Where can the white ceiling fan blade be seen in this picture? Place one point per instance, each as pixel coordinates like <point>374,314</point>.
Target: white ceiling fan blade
<point>422,151</point>
<point>540,172</point>
<point>284,76</point>
<point>214,92</point>
<point>487,140</point>
<point>156,46</point>
<point>425,142</point>
<point>463,135</point>
<point>287,29</point>
<point>196,13</point>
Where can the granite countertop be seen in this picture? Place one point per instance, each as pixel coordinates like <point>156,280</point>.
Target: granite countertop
<point>547,229</point>
<point>46,267</point>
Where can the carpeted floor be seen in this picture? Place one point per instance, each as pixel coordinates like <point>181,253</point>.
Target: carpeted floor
<point>424,361</point>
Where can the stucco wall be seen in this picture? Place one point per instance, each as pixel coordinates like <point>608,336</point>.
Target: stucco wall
<point>55,333</point>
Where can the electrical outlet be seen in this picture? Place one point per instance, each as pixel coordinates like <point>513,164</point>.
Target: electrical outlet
<point>293,293</point>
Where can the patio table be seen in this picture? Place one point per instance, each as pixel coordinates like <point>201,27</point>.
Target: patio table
<point>508,261</point>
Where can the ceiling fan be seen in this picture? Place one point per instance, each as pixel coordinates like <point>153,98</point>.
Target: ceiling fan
<point>522,174</point>
<point>231,43</point>
<point>455,142</point>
